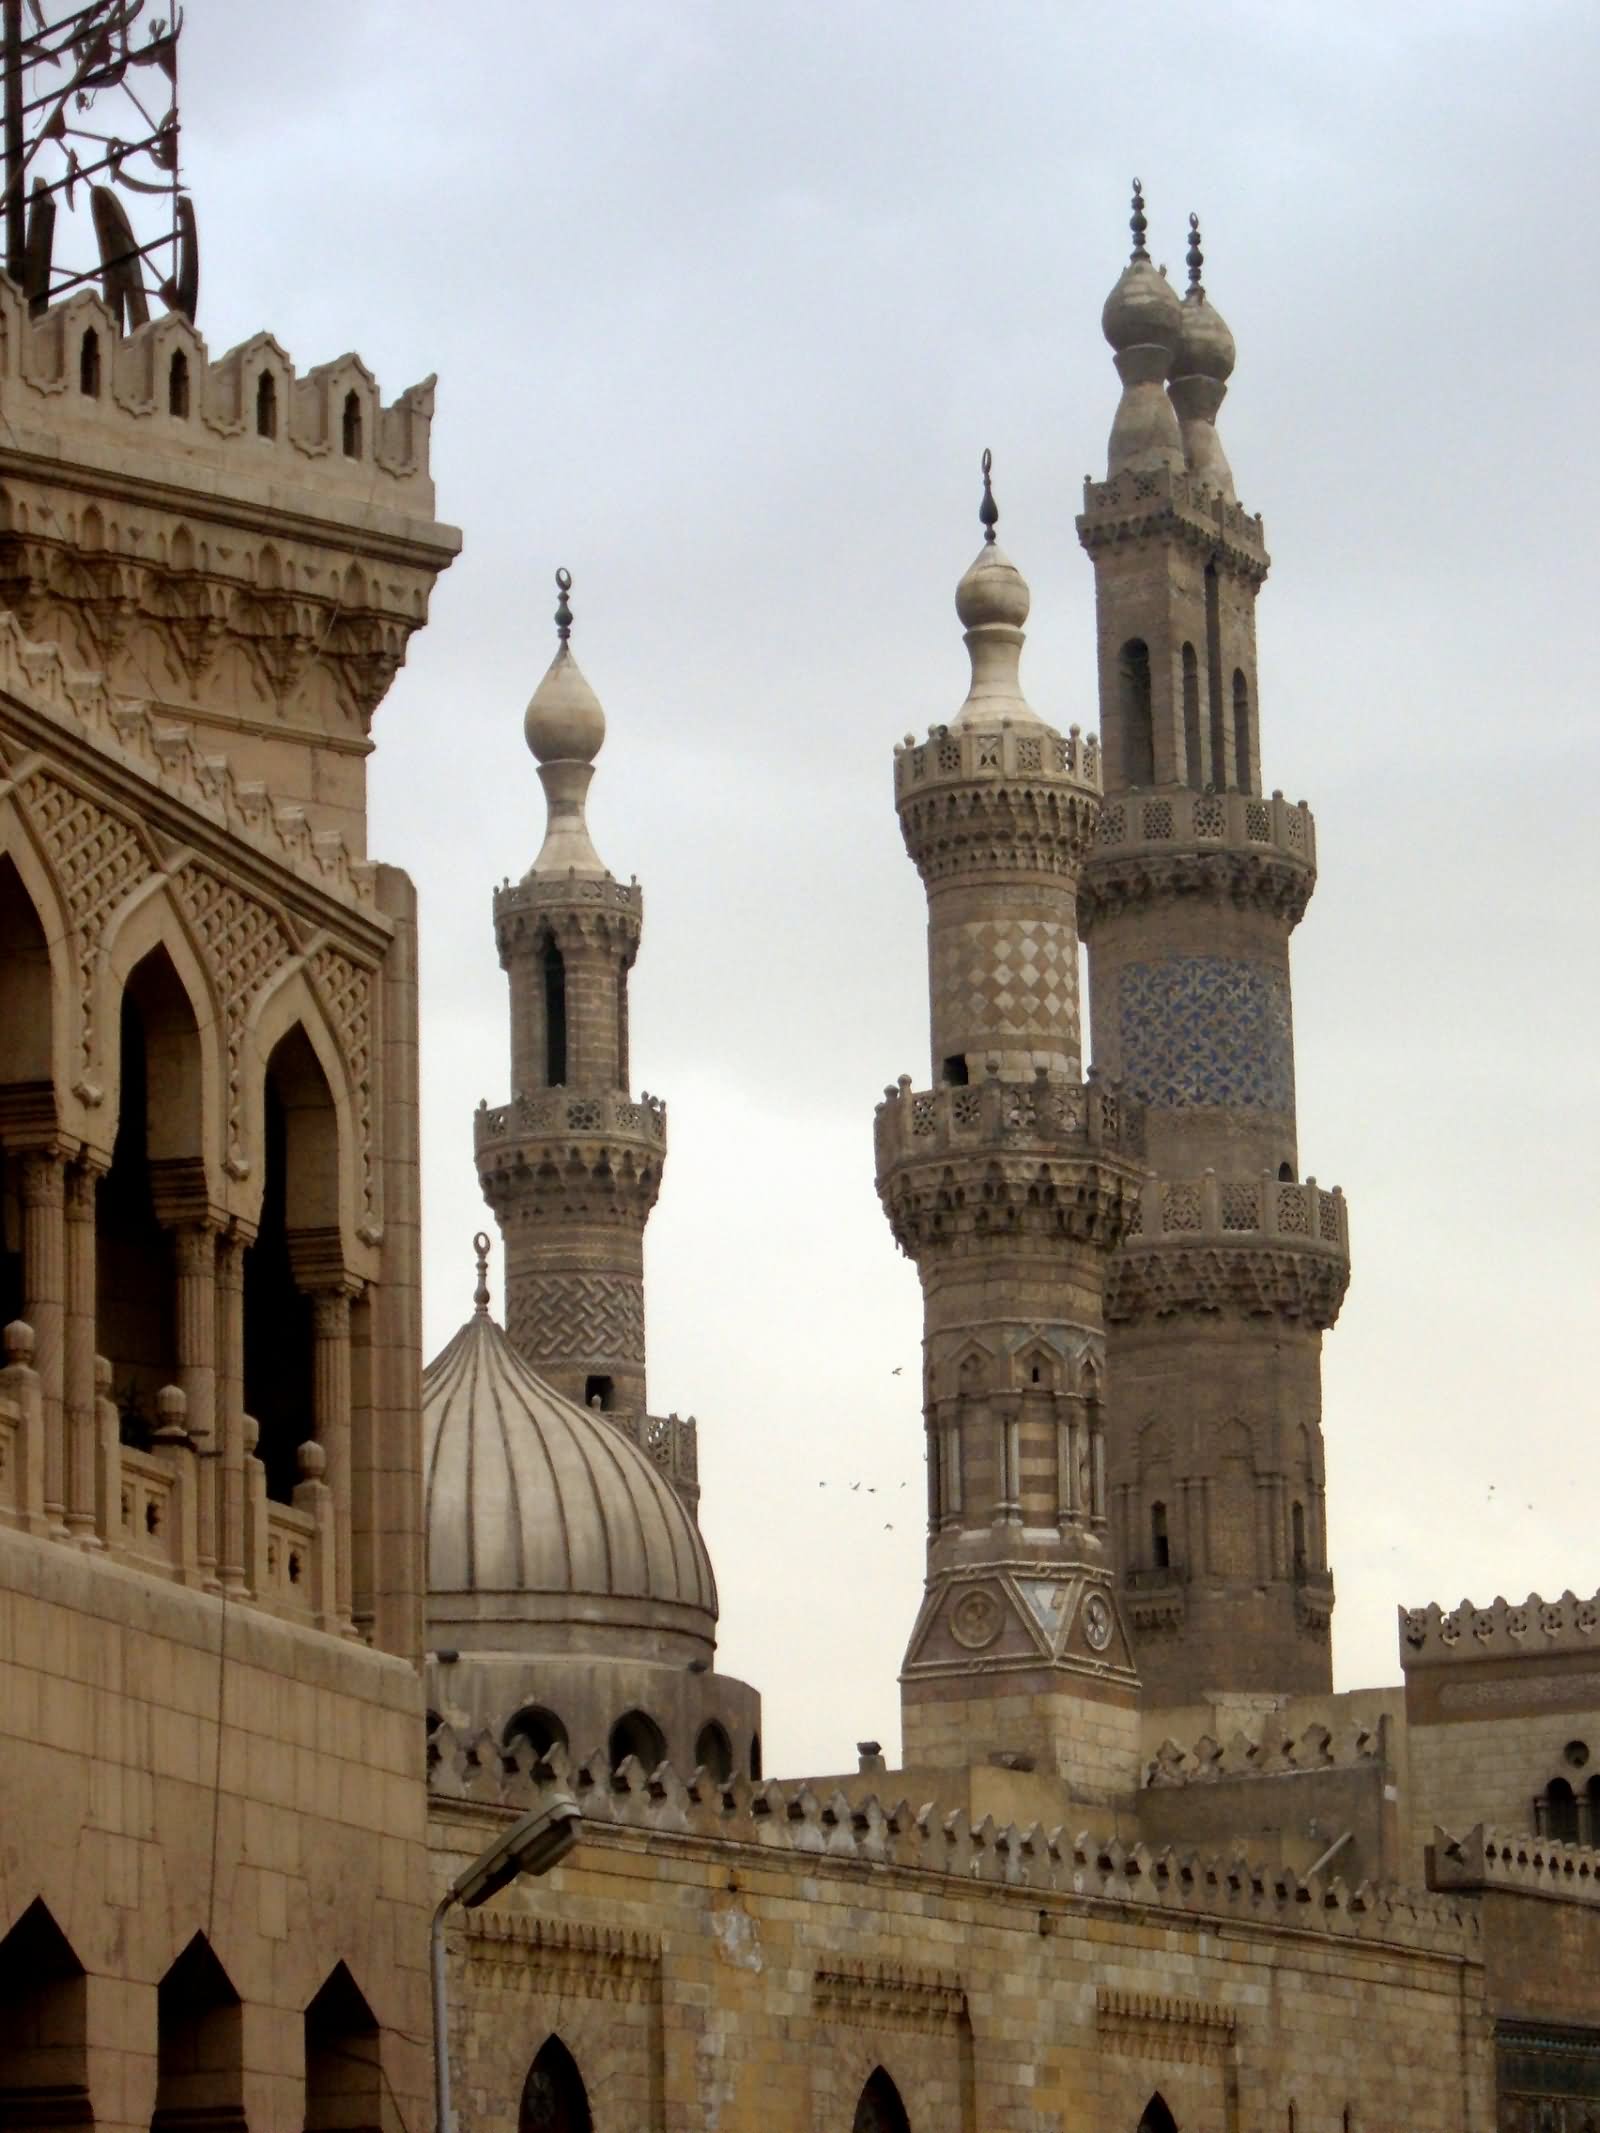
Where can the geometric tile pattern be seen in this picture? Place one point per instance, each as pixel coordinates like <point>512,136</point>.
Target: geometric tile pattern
<point>1010,978</point>
<point>1205,1029</point>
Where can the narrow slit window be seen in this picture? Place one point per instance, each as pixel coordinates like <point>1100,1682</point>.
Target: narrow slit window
<point>352,426</point>
<point>89,365</point>
<point>178,384</point>
<point>266,405</point>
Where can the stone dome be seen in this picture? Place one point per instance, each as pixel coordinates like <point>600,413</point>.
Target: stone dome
<point>548,1528</point>
<point>1205,346</point>
<point>993,590</point>
<point>564,722</point>
<point>1142,310</point>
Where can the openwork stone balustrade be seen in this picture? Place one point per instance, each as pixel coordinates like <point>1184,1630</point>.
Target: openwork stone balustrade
<point>1226,820</point>
<point>1050,1116</point>
<point>553,1112</point>
<point>960,754</point>
<point>1240,1209</point>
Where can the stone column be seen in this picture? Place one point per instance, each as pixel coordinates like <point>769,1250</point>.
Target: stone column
<point>44,1282</point>
<point>195,1256</point>
<point>330,1404</point>
<point>229,1343</point>
<point>78,1358</point>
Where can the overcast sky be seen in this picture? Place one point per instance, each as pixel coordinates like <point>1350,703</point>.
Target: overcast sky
<point>725,302</point>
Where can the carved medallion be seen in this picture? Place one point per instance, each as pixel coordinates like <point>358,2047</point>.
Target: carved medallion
<point>975,1619</point>
<point>1097,1621</point>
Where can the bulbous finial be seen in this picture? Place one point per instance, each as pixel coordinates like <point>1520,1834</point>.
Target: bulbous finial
<point>1195,258</point>
<point>480,1295</point>
<point>1138,222</point>
<point>564,727</point>
<point>563,611</point>
<point>988,510</point>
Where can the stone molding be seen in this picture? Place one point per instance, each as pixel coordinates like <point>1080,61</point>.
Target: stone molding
<point>570,908</point>
<point>1275,1754</point>
<point>1432,1636</point>
<point>985,830</point>
<point>1168,504</point>
<point>1267,882</point>
<point>1488,1859</point>
<point>1165,2026</point>
<point>1296,1280</point>
<point>521,1954</point>
<point>887,1996</point>
<point>1242,1209</point>
<point>562,1156</point>
<point>793,1819</point>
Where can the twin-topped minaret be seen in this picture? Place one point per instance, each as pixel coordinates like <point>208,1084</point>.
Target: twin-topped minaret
<point>1217,1301</point>
<point>572,1165</point>
<point>1009,1181</point>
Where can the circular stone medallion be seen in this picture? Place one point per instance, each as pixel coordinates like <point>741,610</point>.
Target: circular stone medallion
<point>1097,1621</point>
<point>975,1619</point>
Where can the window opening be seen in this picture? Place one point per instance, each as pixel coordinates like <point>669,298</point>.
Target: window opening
<point>352,426</point>
<point>1193,753</point>
<point>199,2059</point>
<point>599,1392</point>
<point>344,2073</point>
<point>1157,2117</point>
<point>1138,731</point>
<point>1219,743</point>
<point>266,405</point>
<point>1297,1520</point>
<point>44,2058</point>
<point>713,1751</point>
<point>1160,1545</point>
<point>555,1017</point>
<point>636,1733</point>
<point>178,384</point>
<point>89,364</point>
<point>955,1071</point>
<point>554,2099</point>
<point>879,2109</point>
<point>539,1728</point>
<point>1241,728</point>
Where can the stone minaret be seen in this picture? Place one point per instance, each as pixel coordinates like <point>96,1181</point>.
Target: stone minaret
<point>572,1165</point>
<point>1008,1182</point>
<point>1217,1302</point>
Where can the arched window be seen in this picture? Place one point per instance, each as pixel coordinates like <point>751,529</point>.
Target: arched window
<point>1193,753</point>
<point>1286,1173</point>
<point>199,2052</point>
<point>344,2073</point>
<point>1160,1545</point>
<point>755,1758</point>
<point>555,1016</point>
<point>1219,745</point>
<point>713,1751</point>
<point>25,1066</point>
<point>554,2099</point>
<point>44,2058</point>
<point>636,1733</point>
<point>299,1213</point>
<point>266,405</point>
<point>622,1026</point>
<point>352,426</point>
<point>600,1392</point>
<point>178,384</point>
<point>89,364</point>
<point>1241,729</point>
<point>1138,730</point>
<point>539,1728</point>
<point>1157,2116</point>
<point>1559,1816</point>
<point>879,2109</point>
<point>1297,1521</point>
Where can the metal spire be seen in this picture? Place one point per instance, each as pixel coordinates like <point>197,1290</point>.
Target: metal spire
<point>1138,222</point>
<point>563,611</point>
<point>1195,256</point>
<point>988,510</point>
<point>480,1295</point>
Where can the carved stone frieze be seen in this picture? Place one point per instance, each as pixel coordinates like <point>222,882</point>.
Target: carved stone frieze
<point>998,827</point>
<point>1271,881</point>
<point>99,860</point>
<point>551,1956</point>
<point>887,1996</point>
<point>576,1317</point>
<point>1165,2026</point>
<point>958,1201</point>
<point>1305,1285</point>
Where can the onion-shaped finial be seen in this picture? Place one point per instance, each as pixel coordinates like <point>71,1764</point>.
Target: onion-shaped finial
<point>563,611</point>
<point>988,510</point>
<point>480,1295</point>
<point>1138,222</point>
<point>1195,257</point>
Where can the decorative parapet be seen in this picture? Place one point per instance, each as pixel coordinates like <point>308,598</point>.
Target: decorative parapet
<point>672,1442</point>
<point>554,1115</point>
<point>795,1819</point>
<point>1259,1245</point>
<point>887,1995</point>
<point>1433,1636</point>
<point>1160,821</point>
<point>161,751</point>
<point>1002,798</point>
<point>1227,846</point>
<point>1487,1859</point>
<point>1275,1754</point>
<point>1042,1115</point>
<point>1164,502</point>
<point>536,893</point>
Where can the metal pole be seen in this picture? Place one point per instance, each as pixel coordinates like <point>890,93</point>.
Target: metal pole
<point>16,228</point>
<point>444,2122</point>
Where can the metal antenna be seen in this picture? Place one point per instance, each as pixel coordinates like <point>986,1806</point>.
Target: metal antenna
<point>563,611</point>
<point>1138,222</point>
<point>988,510</point>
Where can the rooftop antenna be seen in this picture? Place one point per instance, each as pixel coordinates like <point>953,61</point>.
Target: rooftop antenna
<point>83,100</point>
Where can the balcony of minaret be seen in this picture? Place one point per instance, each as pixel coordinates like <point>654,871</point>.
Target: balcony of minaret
<point>1168,503</point>
<point>596,1154</point>
<point>1175,842</point>
<point>1006,796</point>
<point>1262,1246</point>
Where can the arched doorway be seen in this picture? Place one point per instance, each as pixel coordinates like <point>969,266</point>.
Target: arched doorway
<point>1157,2117</point>
<point>43,2026</point>
<point>27,1098</point>
<point>879,2109</point>
<point>554,2099</point>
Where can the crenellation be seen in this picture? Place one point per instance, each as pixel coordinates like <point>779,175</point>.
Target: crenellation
<point>1488,1859</point>
<point>1532,1629</point>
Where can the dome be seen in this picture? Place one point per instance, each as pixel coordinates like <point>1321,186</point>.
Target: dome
<point>1142,310</point>
<point>993,590</point>
<point>564,722</point>
<point>1205,346</point>
<point>547,1521</point>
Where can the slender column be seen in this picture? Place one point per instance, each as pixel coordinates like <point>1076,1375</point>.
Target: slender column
<point>195,1251</point>
<point>77,1369</point>
<point>934,1454</point>
<point>229,1338</point>
<point>1097,1469</point>
<point>1207,1519</point>
<point>44,1281</point>
<point>952,1463</point>
<point>330,1373</point>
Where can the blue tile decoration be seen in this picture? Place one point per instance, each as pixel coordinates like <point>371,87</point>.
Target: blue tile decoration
<point>1205,1029</point>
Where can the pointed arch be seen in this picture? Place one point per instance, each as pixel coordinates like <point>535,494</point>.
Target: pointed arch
<point>713,1751</point>
<point>878,2108</point>
<point>554,2099</point>
<point>344,2070</point>
<point>151,923</point>
<point>1136,720</point>
<point>200,2047</point>
<point>289,1003</point>
<point>1157,2116</point>
<point>636,1733</point>
<point>44,2036</point>
<point>39,911</point>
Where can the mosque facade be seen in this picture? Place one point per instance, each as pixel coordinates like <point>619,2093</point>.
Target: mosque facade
<point>292,1631</point>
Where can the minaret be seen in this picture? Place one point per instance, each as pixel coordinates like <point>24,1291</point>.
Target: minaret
<point>1008,1182</point>
<point>1218,1299</point>
<point>572,1165</point>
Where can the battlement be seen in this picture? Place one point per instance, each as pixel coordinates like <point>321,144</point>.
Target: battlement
<point>959,755</point>
<point>1050,1116</point>
<point>157,391</point>
<point>1265,1209</point>
<point>1432,1636</point>
<point>159,751</point>
<point>795,1819</point>
<point>552,1113</point>
<point>1274,1754</point>
<point>1165,501</point>
<point>1487,1859</point>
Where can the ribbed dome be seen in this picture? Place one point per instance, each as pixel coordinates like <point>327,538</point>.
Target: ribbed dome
<point>541,1514</point>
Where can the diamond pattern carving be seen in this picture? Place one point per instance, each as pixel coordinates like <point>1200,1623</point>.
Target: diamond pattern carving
<point>99,860</point>
<point>1011,978</point>
<point>245,947</point>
